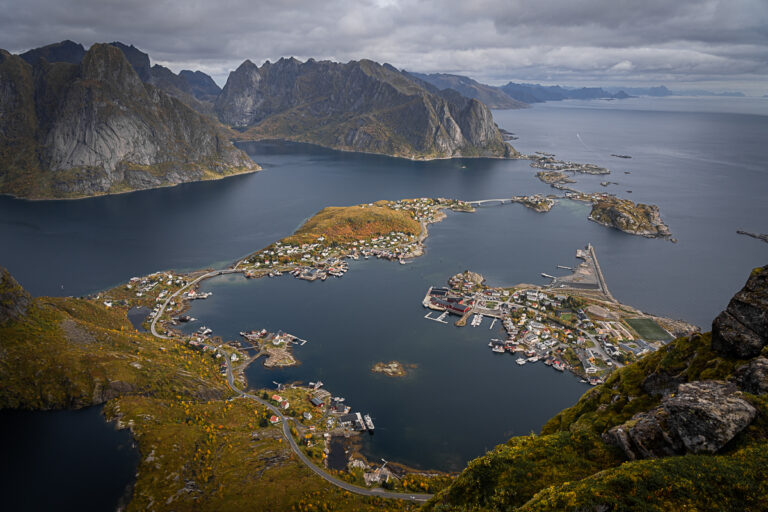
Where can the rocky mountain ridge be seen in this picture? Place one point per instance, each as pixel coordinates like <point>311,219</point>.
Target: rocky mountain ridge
<point>492,96</point>
<point>358,106</point>
<point>76,130</point>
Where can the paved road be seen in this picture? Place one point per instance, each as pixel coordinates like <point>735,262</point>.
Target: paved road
<point>307,462</point>
<point>213,273</point>
<point>286,428</point>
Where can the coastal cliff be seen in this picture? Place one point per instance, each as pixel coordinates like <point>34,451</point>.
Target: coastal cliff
<point>76,130</point>
<point>358,106</point>
<point>683,428</point>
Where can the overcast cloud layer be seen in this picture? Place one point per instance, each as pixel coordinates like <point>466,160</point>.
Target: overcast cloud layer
<point>720,44</point>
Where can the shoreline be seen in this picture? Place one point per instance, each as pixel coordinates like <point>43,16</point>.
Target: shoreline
<point>106,194</point>
<point>372,153</point>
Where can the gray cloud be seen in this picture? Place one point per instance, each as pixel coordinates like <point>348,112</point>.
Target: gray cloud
<point>722,42</point>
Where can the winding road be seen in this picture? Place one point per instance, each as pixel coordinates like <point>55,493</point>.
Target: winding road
<point>383,493</point>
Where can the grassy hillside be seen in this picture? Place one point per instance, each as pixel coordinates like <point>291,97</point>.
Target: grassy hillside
<point>200,449</point>
<point>345,224</point>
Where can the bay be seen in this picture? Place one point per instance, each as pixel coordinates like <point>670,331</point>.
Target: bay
<point>702,161</point>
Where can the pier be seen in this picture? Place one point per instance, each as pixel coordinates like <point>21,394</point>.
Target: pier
<point>587,276</point>
<point>440,318</point>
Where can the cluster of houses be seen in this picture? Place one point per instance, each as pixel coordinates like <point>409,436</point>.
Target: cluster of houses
<point>444,299</point>
<point>536,325</point>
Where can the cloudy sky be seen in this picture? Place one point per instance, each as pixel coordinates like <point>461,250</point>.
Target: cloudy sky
<point>714,44</point>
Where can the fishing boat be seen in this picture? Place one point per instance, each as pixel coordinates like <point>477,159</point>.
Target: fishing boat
<point>368,423</point>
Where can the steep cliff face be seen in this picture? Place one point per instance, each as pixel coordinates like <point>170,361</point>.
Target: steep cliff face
<point>94,128</point>
<point>684,428</point>
<point>14,300</point>
<point>358,106</point>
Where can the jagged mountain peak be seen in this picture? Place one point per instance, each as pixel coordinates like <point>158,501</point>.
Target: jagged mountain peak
<point>360,105</point>
<point>64,51</point>
<point>107,64</point>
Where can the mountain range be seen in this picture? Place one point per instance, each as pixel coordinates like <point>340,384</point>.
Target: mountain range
<point>519,95</point>
<point>77,122</point>
<point>515,95</point>
<point>358,106</point>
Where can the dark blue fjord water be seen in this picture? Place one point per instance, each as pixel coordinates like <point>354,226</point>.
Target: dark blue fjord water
<point>701,161</point>
<point>64,460</point>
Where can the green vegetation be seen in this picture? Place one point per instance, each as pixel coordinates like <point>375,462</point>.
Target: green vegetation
<point>200,448</point>
<point>648,329</point>
<point>690,482</point>
<point>73,353</point>
<point>569,467</point>
<point>510,474</point>
<point>214,456</point>
<point>622,395</point>
<point>351,223</point>
<point>623,214</point>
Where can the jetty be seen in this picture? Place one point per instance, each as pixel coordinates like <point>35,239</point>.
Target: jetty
<point>587,276</point>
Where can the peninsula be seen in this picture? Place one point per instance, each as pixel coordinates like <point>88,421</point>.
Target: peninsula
<point>572,324</point>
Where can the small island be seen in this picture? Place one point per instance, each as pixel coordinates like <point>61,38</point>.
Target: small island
<point>634,218</point>
<point>392,368</point>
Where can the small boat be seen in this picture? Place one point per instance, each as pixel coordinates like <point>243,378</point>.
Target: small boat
<point>533,359</point>
<point>499,349</point>
<point>520,361</point>
<point>368,422</point>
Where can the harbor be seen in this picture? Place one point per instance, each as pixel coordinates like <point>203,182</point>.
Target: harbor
<point>572,324</point>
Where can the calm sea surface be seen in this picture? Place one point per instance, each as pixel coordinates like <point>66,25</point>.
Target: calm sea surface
<point>64,460</point>
<point>701,160</point>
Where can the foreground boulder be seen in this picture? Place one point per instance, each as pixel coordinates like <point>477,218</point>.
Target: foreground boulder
<point>701,417</point>
<point>753,377</point>
<point>742,329</point>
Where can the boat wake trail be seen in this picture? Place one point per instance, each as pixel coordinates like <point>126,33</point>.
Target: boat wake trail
<point>582,142</point>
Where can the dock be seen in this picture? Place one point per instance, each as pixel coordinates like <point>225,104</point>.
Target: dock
<point>461,322</point>
<point>493,323</point>
<point>440,318</point>
<point>565,268</point>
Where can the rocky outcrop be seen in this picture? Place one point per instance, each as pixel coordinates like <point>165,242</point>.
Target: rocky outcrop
<point>14,300</point>
<point>701,417</point>
<point>742,329</point>
<point>633,218</point>
<point>357,106</point>
<point>95,128</point>
<point>753,377</point>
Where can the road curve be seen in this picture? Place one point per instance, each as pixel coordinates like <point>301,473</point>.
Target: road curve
<point>286,429</point>
<point>307,462</point>
<point>213,273</point>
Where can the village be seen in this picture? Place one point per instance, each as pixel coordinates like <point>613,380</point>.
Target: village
<point>573,324</point>
<point>324,256</point>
